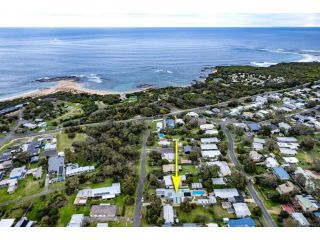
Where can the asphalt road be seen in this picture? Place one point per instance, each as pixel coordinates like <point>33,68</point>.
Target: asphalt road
<point>175,111</point>
<point>138,207</point>
<point>250,187</point>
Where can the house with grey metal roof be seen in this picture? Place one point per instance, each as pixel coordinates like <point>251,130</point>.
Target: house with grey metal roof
<point>103,213</point>
<point>56,165</point>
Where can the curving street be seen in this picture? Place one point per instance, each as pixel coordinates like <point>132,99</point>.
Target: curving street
<point>250,187</point>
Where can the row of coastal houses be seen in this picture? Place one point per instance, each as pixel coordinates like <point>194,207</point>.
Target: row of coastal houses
<point>231,199</point>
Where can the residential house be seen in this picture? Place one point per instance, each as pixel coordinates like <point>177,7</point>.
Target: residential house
<point>74,169</point>
<point>218,181</point>
<point>159,126</point>
<point>243,222</point>
<point>168,180</point>
<point>241,210</point>
<point>209,140</point>
<point>290,160</point>
<point>301,219</point>
<point>103,213</point>
<point>224,167</point>
<point>254,127</point>
<point>168,214</point>
<point>97,193</point>
<point>176,198</point>
<point>187,149</point>
<point>206,126</point>
<point>24,222</point>
<point>285,126</point>
<point>232,194</point>
<point>169,168</point>
<point>286,188</point>
<point>271,162</point>
<point>193,114</point>
<point>288,152</point>
<point>211,132</point>
<point>7,222</point>
<point>56,165</point>
<point>255,156</point>
<point>76,220</point>
<point>18,173</point>
<point>168,154</point>
<point>210,154</point>
<point>307,203</point>
<point>170,123</point>
<point>210,146</point>
<point>281,173</point>
<point>287,139</point>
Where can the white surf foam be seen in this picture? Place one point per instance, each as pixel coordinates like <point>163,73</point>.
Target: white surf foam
<point>94,78</point>
<point>262,64</point>
<point>309,58</point>
<point>163,71</point>
<point>305,57</point>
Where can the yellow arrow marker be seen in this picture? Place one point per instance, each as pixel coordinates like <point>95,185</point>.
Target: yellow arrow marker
<point>176,179</point>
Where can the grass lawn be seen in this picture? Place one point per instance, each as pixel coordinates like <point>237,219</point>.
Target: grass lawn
<point>106,183</point>
<point>5,146</point>
<point>26,187</point>
<point>37,205</point>
<point>67,211</point>
<point>64,142</point>
<point>190,217</point>
<point>189,169</point>
<point>219,212</point>
<point>272,206</point>
<point>308,158</point>
<point>57,185</point>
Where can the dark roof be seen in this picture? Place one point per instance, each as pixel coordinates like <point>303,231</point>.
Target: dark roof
<point>254,126</point>
<point>56,164</point>
<point>187,148</point>
<point>33,148</point>
<point>317,214</point>
<point>11,109</point>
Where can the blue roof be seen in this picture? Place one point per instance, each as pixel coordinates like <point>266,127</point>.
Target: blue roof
<point>254,126</point>
<point>281,173</point>
<point>170,123</point>
<point>243,222</point>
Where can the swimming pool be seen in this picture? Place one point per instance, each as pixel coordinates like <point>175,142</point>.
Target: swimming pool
<point>161,135</point>
<point>198,192</point>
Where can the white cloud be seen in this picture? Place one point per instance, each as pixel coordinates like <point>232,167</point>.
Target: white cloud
<point>160,13</point>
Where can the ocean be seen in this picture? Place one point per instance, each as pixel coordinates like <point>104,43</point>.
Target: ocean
<point>121,59</point>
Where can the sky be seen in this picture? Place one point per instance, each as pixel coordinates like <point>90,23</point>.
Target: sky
<point>160,13</point>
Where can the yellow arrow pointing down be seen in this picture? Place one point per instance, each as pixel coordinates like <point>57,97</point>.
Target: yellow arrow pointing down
<point>176,179</point>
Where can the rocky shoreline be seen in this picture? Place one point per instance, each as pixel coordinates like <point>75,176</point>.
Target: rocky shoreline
<point>58,79</point>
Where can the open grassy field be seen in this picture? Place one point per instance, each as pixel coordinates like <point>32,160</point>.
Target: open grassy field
<point>26,187</point>
<point>67,211</point>
<point>64,142</point>
<point>271,206</point>
<point>189,169</point>
<point>308,158</point>
<point>192,216</point>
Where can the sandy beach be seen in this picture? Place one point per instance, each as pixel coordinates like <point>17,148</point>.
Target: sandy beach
<point>67,86</point>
